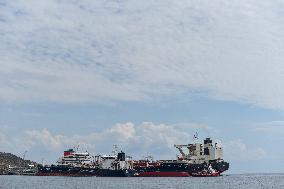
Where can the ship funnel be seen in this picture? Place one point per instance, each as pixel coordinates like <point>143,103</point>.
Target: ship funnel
<point>121,156</point>
<point>207,141</point>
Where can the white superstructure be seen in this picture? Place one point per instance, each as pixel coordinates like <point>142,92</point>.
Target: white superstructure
<point>114,162</point>
<point>200,152</point>
<point>73,158</point>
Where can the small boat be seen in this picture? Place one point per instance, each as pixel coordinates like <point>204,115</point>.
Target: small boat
<point>210,172</point>
<point>205,174</point>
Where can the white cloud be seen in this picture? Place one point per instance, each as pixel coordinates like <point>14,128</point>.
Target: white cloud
<point>101,51</point>
<point>152,134</point>
<point>140,140</point>
<point>32,114</point>
<point>44,138</point>
<point>238,150</point>
<point>126,130</point>
<point>273,127</point>
<point>6,143</point>
<point>3,138</point>
<point>144,139</point>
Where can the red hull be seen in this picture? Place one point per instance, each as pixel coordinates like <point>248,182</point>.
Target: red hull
<point>164,174</point>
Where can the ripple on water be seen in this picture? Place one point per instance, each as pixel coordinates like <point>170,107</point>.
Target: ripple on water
<point>250,181</point>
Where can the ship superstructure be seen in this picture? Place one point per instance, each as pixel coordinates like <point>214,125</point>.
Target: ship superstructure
<point>74,163</point>
<point>114,162</point>
<point>200,152</point>
<point>115,165</point>
<point>207,153</point>
<point>76,159</point>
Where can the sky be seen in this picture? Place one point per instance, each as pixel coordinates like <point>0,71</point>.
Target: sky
<point>144,75</point>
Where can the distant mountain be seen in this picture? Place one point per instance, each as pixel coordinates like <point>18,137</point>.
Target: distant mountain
<point>10,160</point>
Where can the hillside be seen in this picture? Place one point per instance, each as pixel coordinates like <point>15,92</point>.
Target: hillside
<point>9,160</point>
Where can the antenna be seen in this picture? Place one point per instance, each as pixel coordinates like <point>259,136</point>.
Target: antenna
<point>24,155</point>
<point>42,161</point>
<point>195,136</point>
<point>76,147</point>
<point>115,149</point>
<point>148,158</point>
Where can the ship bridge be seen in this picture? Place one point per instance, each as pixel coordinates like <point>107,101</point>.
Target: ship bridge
<point>200,152</point>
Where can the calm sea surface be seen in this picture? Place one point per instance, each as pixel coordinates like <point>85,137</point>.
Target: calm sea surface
<point>252,181</point>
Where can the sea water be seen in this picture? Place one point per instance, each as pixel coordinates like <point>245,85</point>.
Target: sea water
<point>249,181</point>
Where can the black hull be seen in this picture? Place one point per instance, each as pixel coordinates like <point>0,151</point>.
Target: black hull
<point>217,166</point>
<point>82,172</point>
<point>165,169</point>
<point>220,166</point>
<point>114,173</point>
<point>191,169</point>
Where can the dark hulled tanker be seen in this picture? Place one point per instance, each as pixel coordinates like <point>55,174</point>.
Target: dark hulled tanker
<point>79,164</point>
<point>197,159</point>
